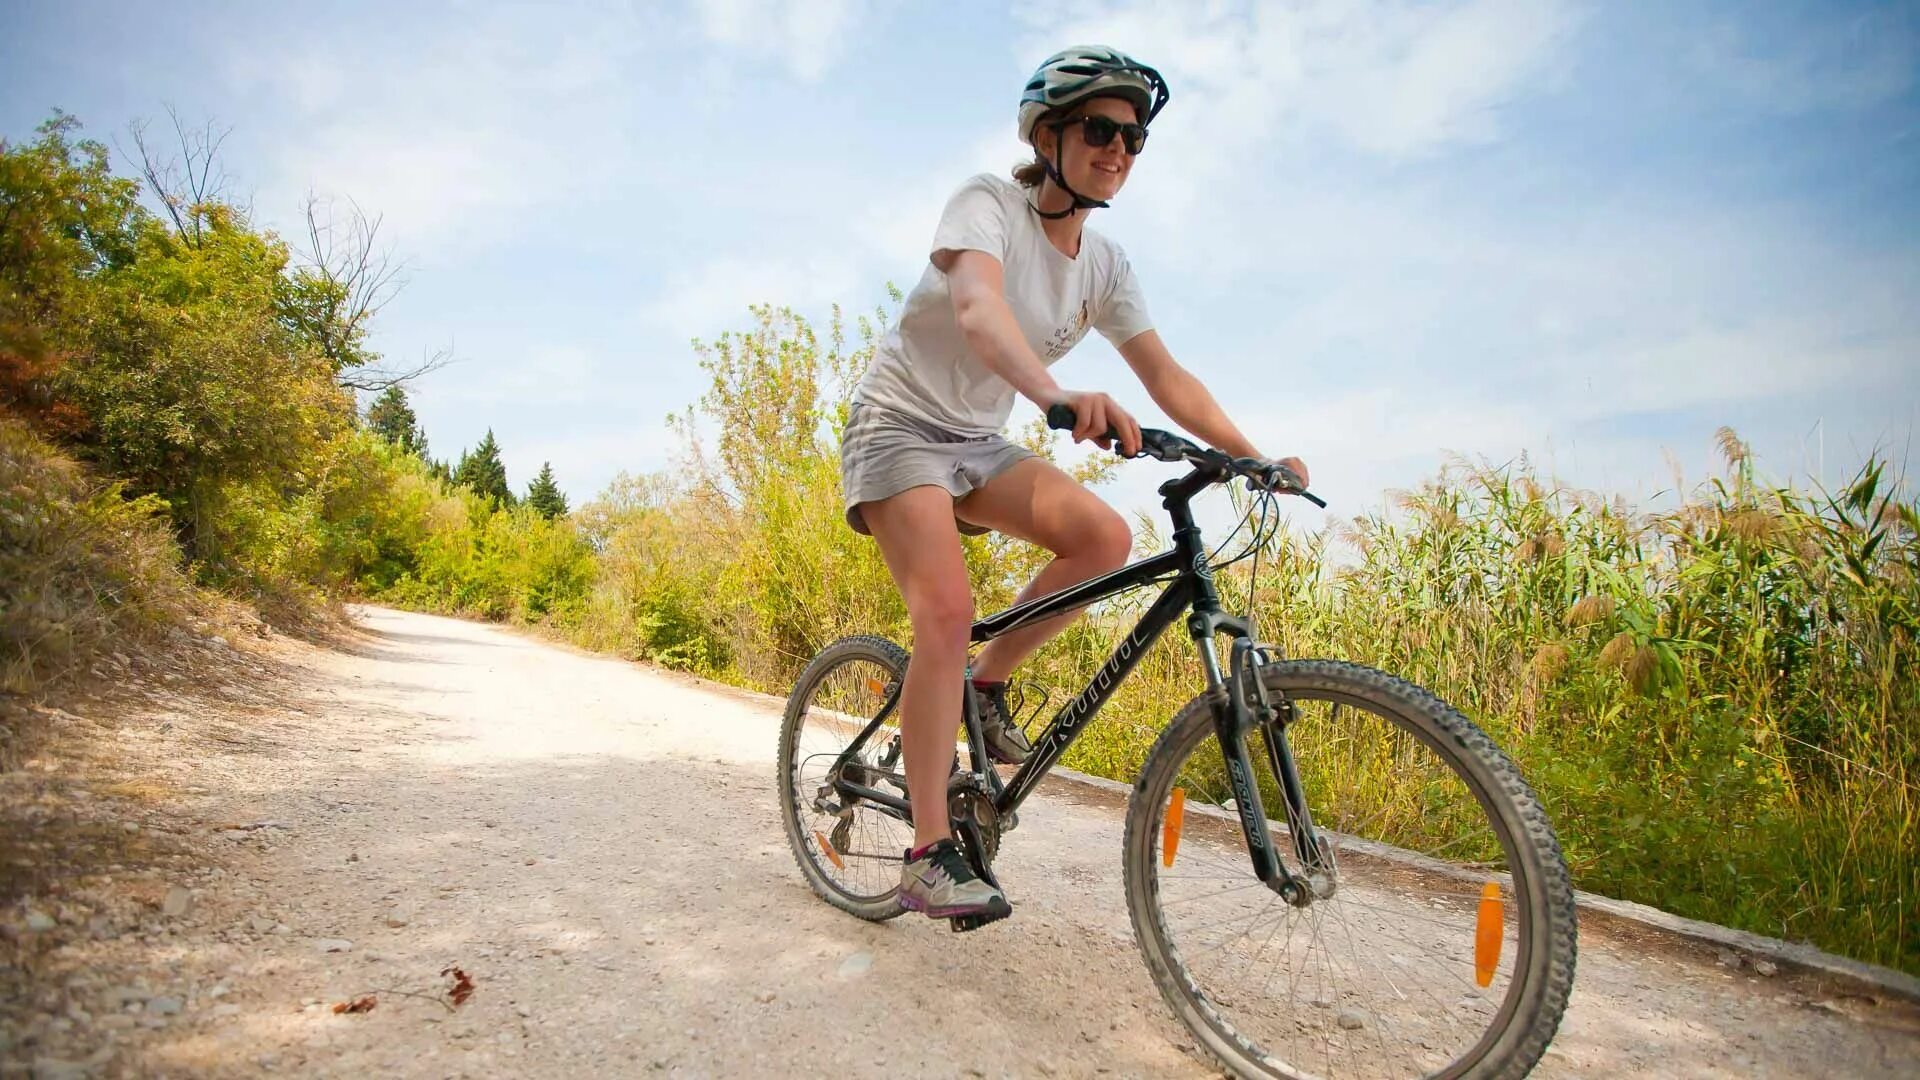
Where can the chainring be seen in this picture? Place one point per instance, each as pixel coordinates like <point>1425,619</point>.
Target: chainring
<point>966,802</point>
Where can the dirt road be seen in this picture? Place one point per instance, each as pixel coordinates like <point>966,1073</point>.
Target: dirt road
<point>596,844</point>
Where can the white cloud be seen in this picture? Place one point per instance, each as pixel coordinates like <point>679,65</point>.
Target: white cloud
<point>446,131</point>
<point>712,296</point>
<point>1425,78</point>
<point>1768,357</point>
<point>806,37</point>
<point>897,226</point>
<point>552,375</point>
<point>1396,79</point>
<point>876,235</point>
<point>428,184</point>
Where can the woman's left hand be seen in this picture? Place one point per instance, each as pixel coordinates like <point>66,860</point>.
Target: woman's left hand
<point>1295,466</point>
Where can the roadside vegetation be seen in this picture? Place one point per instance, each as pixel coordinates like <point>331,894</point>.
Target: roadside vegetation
<point>1720,702</point>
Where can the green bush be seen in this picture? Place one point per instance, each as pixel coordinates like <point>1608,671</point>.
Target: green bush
<point>511,564</point>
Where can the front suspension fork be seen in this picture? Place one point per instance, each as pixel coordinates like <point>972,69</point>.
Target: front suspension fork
<point>1274,718</point>
<point>1243,705</point>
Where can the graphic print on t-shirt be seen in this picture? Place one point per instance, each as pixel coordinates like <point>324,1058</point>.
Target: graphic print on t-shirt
<point>1069,335</point>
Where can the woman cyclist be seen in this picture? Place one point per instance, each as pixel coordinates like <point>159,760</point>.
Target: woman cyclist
<point>1015,279</point>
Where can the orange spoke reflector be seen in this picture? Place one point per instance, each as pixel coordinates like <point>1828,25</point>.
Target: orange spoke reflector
<point>877,686</point>
<point>834,856</point>
<point>1170,832</point>
<point>1487,934</point>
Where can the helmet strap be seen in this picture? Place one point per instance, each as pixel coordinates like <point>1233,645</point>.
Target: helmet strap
<point>1080,202</point>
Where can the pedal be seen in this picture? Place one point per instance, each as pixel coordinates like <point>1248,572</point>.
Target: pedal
<point>963,923</point>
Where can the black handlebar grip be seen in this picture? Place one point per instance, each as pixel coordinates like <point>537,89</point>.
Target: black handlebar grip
<point>1060,417</point>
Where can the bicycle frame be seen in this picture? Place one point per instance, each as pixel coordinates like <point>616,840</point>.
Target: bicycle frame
<point>1191,589</point>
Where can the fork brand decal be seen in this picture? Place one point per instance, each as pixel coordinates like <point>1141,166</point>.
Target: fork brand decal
<point>1242,783</point>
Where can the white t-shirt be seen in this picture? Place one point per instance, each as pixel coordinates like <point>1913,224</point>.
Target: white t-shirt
<point>923,367</point>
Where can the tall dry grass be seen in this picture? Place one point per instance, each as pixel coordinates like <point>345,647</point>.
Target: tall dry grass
<point>83,570</point>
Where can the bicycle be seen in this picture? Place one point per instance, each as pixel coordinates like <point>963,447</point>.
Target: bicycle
<point>1420,919</point>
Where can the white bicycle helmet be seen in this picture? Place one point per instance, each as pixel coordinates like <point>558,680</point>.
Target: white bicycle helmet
<point>1082,72</point>
<point>1086,71</point>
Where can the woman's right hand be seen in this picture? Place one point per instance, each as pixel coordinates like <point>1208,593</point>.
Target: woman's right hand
<point>1094,414</point>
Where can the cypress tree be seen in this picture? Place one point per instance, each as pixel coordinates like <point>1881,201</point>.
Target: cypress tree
<point>392,419</point>
<point>482,471</point>
<point>545,496</point>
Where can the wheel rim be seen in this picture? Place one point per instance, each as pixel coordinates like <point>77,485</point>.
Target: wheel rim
<point>1382,976</point>
<point>855,850</point>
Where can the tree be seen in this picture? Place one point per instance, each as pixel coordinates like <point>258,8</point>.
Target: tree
<point>329,295</point>
<point>544,495</point>
<point>65,219</point>
<point>342,281</point>
<point>392,419</point>
<point>189,186</point>
<point>187,380</point>
<point>482,471</point>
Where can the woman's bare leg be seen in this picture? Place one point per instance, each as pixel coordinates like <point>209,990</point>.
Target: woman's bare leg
<point>921,545</point>
<point>1038,503</point>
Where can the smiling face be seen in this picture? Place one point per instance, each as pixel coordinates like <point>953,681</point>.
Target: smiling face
<point>1098,172</point>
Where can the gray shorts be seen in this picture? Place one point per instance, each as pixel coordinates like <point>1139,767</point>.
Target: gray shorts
<point>883,453</point>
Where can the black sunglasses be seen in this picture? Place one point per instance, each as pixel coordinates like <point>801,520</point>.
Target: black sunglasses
<point>1100,130</point>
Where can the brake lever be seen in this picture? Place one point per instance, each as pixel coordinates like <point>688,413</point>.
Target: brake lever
<point>1256,470</point>
<point>1153,444</point>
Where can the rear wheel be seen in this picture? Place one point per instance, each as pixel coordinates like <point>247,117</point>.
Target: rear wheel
<point>850,850</point>
<point>1439,939</point>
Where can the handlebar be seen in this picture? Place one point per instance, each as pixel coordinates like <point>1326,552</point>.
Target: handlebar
<point>1166,446</point>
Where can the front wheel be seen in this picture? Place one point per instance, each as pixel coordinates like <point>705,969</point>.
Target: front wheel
<point>1439,937</point>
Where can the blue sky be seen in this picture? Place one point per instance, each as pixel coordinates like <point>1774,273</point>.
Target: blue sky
<point>1382,231</point>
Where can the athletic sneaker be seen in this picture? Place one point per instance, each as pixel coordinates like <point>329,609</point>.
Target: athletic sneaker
<point>938,881</point>
<point>1006,743</point>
